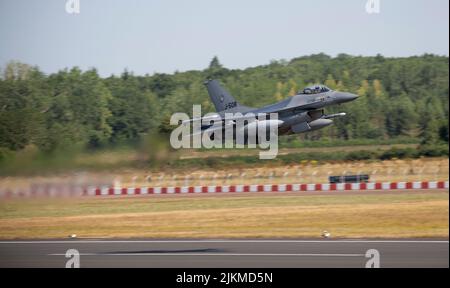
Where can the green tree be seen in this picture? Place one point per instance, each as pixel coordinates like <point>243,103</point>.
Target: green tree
<point>133,109</point>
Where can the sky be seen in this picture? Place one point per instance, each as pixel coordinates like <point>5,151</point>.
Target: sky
<point>164,36</point>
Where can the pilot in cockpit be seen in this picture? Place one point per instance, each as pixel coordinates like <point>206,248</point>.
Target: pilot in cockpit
<point>315,89</point>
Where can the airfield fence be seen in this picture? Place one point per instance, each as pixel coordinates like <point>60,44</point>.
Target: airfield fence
<point>422,170</point>
<point>419,170</point>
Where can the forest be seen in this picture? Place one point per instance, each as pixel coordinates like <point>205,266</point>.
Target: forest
<point>400,98</point>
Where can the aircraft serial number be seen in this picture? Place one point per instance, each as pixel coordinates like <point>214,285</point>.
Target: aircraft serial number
<point>230,105</point>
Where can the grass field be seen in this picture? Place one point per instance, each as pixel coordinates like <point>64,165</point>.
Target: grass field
<point>195,154</point>
<point>396,215</point>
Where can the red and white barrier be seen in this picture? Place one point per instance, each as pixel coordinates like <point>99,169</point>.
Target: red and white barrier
<point>106,191</point>
<point>109,191</point>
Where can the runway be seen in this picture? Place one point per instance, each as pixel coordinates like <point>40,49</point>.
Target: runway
<point>227,253</point>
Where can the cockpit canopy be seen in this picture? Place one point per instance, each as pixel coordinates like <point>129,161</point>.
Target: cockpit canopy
<point>315,89</point>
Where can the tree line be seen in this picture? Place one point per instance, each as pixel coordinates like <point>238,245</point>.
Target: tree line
<point>400,97</point>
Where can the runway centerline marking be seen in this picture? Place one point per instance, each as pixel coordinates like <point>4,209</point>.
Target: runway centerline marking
<point>214,254</point>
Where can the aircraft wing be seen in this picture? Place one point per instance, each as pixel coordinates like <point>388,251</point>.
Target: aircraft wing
<point>216,118</point>
<point>250,115</point>
<point>210,130</point>
<point>297,108</point>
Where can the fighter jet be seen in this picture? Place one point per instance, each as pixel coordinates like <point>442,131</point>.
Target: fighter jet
<point>301,113</point>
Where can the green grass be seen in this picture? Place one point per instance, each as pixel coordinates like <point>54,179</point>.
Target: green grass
<point>33,162</point>
<point>421,214</point>
<point>295,142</point>
<point>60,208</point>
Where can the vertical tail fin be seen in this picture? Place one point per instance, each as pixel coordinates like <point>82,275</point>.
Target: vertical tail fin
<point>222,99</point>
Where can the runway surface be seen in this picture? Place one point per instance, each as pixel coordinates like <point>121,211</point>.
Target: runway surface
<point>226,253</point>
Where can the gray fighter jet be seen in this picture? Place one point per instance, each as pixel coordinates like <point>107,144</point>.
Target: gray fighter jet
<point>301,113</point>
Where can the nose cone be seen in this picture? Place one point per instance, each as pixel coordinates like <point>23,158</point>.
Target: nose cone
<point>347,97</point>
